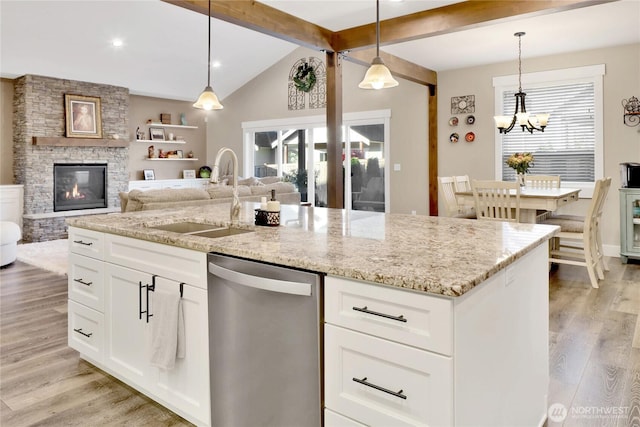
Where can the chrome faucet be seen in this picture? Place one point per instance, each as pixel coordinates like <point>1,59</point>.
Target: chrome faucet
<point>215,177</point>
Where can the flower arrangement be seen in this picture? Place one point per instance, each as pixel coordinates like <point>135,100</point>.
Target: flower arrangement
<point>521,162</point>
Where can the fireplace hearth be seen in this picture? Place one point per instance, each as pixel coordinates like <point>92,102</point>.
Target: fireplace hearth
<point>79,186</point>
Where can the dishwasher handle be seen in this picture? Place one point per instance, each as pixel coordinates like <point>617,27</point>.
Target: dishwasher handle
<point>273,285</point>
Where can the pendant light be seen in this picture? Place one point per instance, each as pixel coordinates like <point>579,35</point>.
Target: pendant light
<point>378,75</point>
<point>528,122</point>
<point>208,99</point>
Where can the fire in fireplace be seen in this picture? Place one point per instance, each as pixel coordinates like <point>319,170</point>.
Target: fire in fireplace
<point>79,186</point>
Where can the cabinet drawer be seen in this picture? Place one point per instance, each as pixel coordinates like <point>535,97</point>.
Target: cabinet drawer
<point>172,262</point>
<point>333,419</point>
<point>410,318</point>
<point>86,281</point>
<point>86,242</point>
<point>382,383</point>
<point>86,331</point>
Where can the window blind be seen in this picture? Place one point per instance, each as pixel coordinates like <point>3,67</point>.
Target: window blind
<point>567,145</point>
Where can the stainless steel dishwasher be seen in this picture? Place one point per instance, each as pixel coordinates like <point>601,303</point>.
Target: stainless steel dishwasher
<point>264,344</point>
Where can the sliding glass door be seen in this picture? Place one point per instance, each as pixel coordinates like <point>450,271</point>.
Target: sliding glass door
<point>296,150</point>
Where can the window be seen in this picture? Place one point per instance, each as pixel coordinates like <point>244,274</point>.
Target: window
<point>571,145</point>
<point>294,147</point>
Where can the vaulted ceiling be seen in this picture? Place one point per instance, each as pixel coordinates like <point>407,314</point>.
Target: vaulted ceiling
<point>165,46</point>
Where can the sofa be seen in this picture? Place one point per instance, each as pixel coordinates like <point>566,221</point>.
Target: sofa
<point>249,190</point>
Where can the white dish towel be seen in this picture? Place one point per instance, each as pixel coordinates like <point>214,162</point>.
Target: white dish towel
<point>167,329</point>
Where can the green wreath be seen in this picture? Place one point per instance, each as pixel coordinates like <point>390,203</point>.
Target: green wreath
<point>305,77</point>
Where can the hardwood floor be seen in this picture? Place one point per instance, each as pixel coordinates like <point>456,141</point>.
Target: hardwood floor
<point>43,382</point>
<point>594,346</point>
<point>594,349</point>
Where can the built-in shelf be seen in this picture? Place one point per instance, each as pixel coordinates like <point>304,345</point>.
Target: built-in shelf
<point>61,141</point>
<point>156,141</point>
<point>161,125</point>
<point>186,159</point>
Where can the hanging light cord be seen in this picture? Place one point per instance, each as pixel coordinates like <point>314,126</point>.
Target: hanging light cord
<point>209,49</point>
<point>377,27</point>
<point>520,62</point>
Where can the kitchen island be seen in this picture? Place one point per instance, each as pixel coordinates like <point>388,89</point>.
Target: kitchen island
<point>473,347</point>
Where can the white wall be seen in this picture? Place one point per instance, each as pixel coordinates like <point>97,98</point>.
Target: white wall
<point>265,98</point>
<point>477,159</point>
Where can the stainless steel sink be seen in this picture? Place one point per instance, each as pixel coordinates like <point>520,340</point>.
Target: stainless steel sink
<point>200,230</point>
<point>221,232</point>
<point>185,227</point>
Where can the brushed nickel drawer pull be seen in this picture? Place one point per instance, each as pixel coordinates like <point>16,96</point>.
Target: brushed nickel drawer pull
<point>377,387</point>
<point>364,309</point>
<point>80,242</point>
<point>83,333</point>
<point>83,282</point>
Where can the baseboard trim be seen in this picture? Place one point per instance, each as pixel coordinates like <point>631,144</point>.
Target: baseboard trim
<point>611,250</point>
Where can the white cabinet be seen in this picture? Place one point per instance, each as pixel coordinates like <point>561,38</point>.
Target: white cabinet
<point>111,310</point>
<point>85,328</point>
<point>126,350</point>
<point>380,382</point>
<point>408,358</point>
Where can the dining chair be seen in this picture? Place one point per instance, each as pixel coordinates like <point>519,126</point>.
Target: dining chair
<point>497,200</point>
<point>580,239</point>
<point>448,190</point>
<point>462,183</point>
<point>542,181</point>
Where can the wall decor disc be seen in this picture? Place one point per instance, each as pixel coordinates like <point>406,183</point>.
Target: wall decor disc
<point>454,137</point>
<point>471,120</point>
<point>453,121</point>
<point>470,136</point>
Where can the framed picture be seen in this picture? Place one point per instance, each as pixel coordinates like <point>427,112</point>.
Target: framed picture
<point>180,154</point>
<point>189,174</point>
<point>83,116</point>
<point>156,134</point>
<point>149,175</point>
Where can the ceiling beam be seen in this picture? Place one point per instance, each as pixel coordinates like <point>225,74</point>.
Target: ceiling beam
<point>448,19</point>
<point>264,19</point>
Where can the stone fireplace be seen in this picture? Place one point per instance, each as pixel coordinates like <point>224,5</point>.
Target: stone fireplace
<point>39,116</point>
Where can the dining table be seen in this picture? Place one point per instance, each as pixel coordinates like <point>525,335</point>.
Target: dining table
<point>532,200</point>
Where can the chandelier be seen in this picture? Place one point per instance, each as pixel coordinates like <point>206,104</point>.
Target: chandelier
<point>208,99</point>
<point>526,121</point>
<point>378,75</point>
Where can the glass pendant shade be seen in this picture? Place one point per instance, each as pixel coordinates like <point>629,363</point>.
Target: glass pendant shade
<point>208,100</point>
<point>378,76</point>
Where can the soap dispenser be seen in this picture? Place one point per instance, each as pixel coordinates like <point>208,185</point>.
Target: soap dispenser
<point>273,205</point>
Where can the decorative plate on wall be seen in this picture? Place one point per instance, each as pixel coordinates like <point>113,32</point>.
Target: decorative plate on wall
<point>471,120</point>
<point>470,136</point>
<point>453,121</point>
<point>454,137</point>
<point>463,104</point>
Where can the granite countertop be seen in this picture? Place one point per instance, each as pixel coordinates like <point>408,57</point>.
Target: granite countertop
<point>438,255</point>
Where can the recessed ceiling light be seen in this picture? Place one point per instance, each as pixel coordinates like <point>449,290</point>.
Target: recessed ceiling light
<point>117,42</point>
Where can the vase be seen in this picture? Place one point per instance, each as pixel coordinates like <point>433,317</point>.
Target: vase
<point>520,179</point>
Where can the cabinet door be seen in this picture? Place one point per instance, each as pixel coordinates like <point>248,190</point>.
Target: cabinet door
<point>127,347</point>
<point>186,386</point>
<point>630,224</point>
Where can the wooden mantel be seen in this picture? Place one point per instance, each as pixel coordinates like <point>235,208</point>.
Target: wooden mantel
<point>61,141</point>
